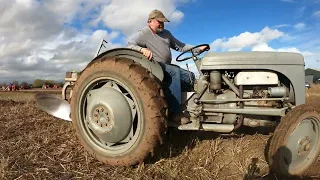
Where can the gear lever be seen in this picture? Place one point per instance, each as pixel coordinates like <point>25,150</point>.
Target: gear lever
<point>189,73</point>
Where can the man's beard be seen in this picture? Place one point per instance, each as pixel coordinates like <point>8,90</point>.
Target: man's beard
<point>159,30</point>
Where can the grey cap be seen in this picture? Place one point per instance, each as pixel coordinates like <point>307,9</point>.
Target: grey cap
<point>158,15</point>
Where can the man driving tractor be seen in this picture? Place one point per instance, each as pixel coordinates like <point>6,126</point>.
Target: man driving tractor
<point>155,42</point>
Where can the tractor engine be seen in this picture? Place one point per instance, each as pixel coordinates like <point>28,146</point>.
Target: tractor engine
<point>226,88</point>
<point>256,84</point>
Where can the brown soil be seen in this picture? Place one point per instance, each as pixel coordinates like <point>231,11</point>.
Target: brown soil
<point>35,145</point>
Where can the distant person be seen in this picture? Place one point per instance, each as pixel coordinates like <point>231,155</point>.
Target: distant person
<point>155,42</point>
<point>10,86</point>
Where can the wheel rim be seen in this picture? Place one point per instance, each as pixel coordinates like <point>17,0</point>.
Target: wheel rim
<point>302,144</point>
<point>105,147</point>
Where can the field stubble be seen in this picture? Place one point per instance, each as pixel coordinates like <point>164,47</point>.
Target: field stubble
<point>35,145</point>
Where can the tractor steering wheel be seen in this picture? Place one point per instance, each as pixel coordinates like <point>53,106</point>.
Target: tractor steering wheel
<point>194,55</point>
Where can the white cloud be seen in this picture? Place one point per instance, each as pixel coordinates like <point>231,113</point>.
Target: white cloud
<point>310,57</point>
<point>312,61</point>
<point>176,16</point>
<point>299,26</point>
<point>265,47</point>
<point>67,54</point>
<point>262,47</point>
<point>258,41</point>
<point>281,26</point>
<point>132,16</point>
<point>43,39</point>
<point>102,34</point>
<point>305,43</point>
<point>316,14</point>
<point>295,50</point>
<point>246,39</point>
<point>289,49</point>
<point>66,11</point>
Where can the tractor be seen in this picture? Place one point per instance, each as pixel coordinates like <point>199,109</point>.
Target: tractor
<point>120,114</point>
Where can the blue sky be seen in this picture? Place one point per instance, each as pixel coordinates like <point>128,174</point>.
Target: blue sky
<point>46,38</point>
<point>204,20</point>
<point>227,18</point>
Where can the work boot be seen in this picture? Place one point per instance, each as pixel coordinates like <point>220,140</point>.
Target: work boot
<point>180,118</point>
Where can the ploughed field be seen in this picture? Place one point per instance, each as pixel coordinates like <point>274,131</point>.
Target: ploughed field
<point>35,145</point>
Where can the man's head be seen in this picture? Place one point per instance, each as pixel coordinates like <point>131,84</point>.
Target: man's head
<point>156,21</point>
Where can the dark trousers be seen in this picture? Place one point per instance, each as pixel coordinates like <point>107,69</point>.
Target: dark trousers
<point>175,80</point>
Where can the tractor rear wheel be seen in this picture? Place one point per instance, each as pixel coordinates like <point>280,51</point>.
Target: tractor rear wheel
<point>295,145</point>
<point>118,111</point>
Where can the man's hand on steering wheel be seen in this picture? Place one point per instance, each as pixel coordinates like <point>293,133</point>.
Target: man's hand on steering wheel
<point>202,48</point>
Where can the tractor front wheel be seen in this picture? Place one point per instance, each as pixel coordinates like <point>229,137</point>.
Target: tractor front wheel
<point>295,145</point>
<point>118,111</point>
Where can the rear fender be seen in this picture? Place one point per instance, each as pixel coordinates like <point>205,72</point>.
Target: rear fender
<point>153,66</point>
<point>137,57</point>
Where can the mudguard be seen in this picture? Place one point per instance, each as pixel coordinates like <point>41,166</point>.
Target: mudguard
<point>136,56</point>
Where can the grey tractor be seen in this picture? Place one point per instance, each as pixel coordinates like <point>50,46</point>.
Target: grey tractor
<point>119,111</point>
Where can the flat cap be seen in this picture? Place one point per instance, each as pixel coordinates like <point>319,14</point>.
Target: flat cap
<point>158,15</point>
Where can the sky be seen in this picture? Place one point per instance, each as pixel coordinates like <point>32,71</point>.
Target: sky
<point>46,38</point>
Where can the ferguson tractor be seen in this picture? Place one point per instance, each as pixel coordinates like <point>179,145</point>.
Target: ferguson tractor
<point>119,112</point>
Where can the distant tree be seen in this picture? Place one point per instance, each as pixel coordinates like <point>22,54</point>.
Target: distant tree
<point>38,83</point>
<point>60,84</point>
<point>50,83</point>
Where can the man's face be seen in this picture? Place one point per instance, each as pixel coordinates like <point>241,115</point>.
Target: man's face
<point>156,25</point>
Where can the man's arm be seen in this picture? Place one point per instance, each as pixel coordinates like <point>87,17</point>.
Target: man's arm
<point>136,42</point>
<point>179,46</point>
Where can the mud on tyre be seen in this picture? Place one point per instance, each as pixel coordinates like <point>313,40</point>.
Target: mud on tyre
<point>118,111</point>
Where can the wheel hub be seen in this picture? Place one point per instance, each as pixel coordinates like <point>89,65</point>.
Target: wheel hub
<point>304,145</point>
<point>102,117</point>
<point>109,114</point>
